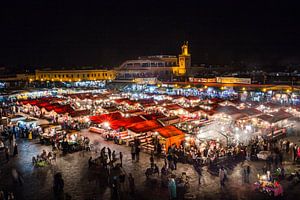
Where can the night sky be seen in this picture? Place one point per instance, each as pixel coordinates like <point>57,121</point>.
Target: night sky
<point>106,33</point>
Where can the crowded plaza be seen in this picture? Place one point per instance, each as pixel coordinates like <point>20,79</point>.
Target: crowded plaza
<point>181,142</point>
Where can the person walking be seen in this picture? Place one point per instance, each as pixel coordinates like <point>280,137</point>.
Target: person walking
<point>225,175</point>
<point>172,189</point>
<point>137,153</point>
<point>7,154</point>
<point>248,174</point>
<point>121,158</point>
<point>15,150</point>
<point>115,189</point>
<point>103,152</point>
<point>287,147</point>
<point>18,178</point>
<point>175,160</point>
<point>109,153</point>
<point>245,175</point>
<point>158,149</point>
<point>295,152</point>
<point>133,152</point>
<point>90,162</point>
<point>170,161</point>
<point>58,186</point>
<point>221,176</point>
<point>113,155</point>
<point>131,184</point>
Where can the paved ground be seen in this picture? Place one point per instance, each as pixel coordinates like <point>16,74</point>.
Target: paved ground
<point>82,183</point>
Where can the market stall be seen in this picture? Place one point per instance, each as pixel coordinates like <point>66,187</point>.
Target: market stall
<point>170,135</point>
<point>265,185</point>
<point>50,132</point>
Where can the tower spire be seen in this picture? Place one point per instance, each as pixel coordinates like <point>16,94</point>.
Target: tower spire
<point>184,49</point>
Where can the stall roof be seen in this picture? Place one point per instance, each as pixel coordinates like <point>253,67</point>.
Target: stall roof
<point>294,119</point>
<point>193,109</point>
<point>215,100</point>
<point>208,112</point>
<point>134,111</point>
<point>266,117</point>
<point>31,102</point>
<point>280,115</point>
<point>118,101</point>
<point>169,131</point>
<point>251,111</point>
<point>125,100</point>
<point>166,119</point>
<point>77,113</point>
<point>193,98</point>
<point>105,117</point>
<point>272,105</point>
<point>110,109</point>
<point>145,102</point>
<point>83,96</point>
<point>178,97</point>
<point>144,126</point>
<point>238,116</point>
<point>173,107</point>
<point>228,103</point>
<point>229,110</point>
<point>166,101</point>
<point>29,120</point>
<point>130,102</point>
<point>15,116</point>
<point>125,122</point>
<point>153,116</point>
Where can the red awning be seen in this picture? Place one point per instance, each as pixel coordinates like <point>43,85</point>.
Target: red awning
<point>105,117</point>
<point>144,126</point>
<point>169,131</point>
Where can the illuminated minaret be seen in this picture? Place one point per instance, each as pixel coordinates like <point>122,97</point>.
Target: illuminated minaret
<point>184,59</point>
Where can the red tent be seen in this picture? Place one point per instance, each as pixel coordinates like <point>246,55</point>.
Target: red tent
<point>144,126</point>
<point>98,119</point>
<point>125,122</point>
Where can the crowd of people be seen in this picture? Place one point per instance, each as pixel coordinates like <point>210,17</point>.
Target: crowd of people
<point>44,158</point>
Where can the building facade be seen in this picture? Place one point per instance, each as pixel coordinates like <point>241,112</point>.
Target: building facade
<point>233,80</point>
<point>184,61</point>
<point>74,75</point>
<point>163,67</point>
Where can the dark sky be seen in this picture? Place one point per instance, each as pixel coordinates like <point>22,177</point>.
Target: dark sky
<point>53,33</point>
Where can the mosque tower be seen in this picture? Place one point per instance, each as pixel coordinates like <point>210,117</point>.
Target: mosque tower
<point>184,60</point>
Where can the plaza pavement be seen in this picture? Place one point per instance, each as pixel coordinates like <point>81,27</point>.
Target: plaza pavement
<point>82,183</point>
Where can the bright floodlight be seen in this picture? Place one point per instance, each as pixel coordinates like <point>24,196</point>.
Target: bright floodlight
<point>106,124</point>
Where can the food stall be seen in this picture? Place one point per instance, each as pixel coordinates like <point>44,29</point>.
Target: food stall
<point>265,185</point>
<point>28,123</point>
<point>16,118</point>
<point>169,135</point>
<point>50,131</point>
